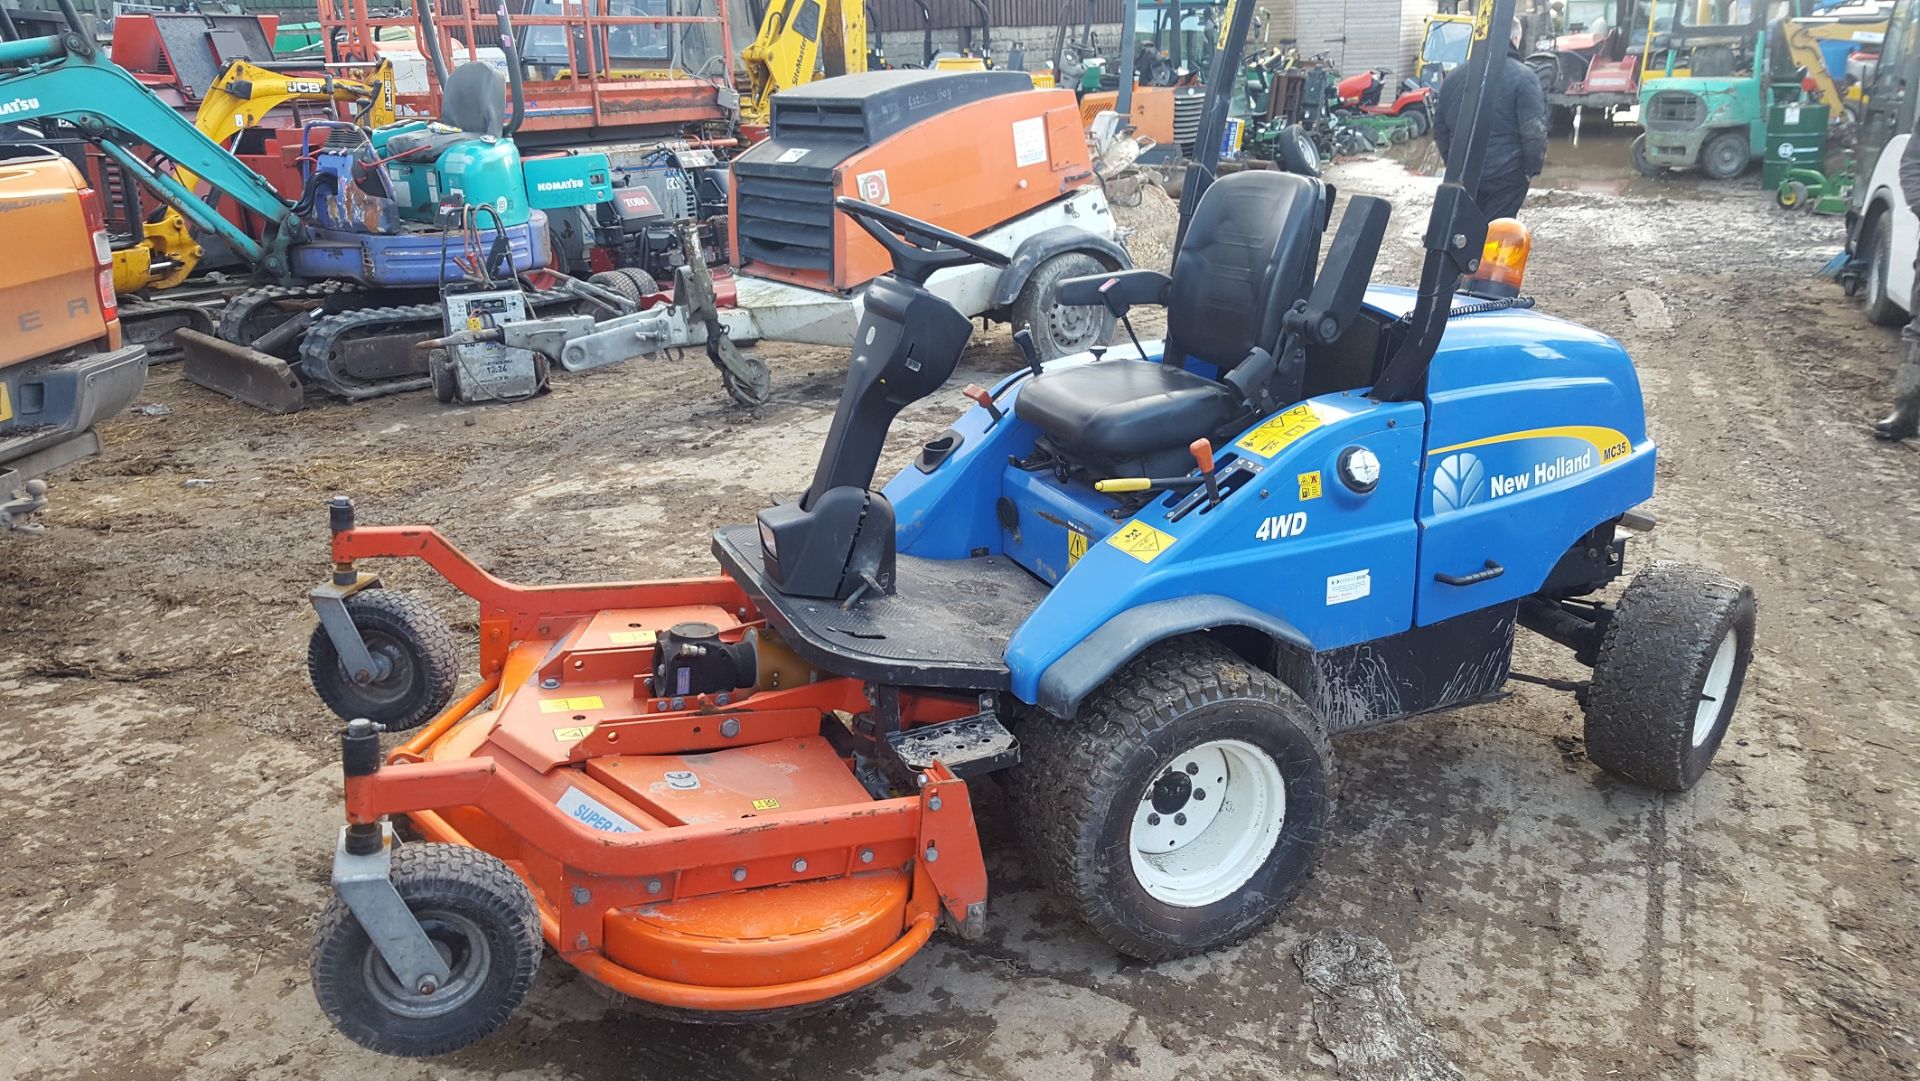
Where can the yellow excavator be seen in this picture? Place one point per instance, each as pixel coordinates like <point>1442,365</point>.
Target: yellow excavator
<point>797,39</point>
<point>240,99</point>
<point>1804,40</point>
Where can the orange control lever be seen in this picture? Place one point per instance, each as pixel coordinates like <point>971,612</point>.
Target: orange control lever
<point>983,398</point>
<point>1203,457</point>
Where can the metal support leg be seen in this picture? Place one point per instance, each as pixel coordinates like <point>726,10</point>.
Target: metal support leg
<point>365,884</point>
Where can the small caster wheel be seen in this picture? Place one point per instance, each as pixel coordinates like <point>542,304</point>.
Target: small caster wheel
<point>446,384</point>
<point>479,916</point>
<point>1792,195</point>
<point>1669,674</point>
<point>415,657</point>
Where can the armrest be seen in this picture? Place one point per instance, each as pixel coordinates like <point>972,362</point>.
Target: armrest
<point>1116,291</point>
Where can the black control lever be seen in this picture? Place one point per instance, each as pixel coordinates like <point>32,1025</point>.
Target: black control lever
<point>1024,339</point>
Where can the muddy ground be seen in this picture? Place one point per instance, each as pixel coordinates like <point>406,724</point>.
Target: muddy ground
<point>170,792</point>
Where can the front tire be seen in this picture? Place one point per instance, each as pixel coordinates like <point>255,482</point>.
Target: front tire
<point>1642,164</point>
<point>1297,153</point>
<point>1061,330</point>
<point>1881,308</point>
<point>1669,675</point>
<point>1183,807</point>
<point>1726,155</point>
<point>416,648</point>
<point>1422,122</point>
<point>482,920</point>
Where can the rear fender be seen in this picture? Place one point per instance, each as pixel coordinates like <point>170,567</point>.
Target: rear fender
<point>1083,668</point>
<point>1048,243</point>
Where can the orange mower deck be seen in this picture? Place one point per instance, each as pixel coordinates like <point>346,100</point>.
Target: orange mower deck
<point>705,854</point>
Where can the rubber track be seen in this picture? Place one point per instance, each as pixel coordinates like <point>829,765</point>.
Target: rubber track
<point>1639,710</point>
<point>316,348</point>
<point>233,317</point>
<point>439,871</point>
<point>1066,780</point>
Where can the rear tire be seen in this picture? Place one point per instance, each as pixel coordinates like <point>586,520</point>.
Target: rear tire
<point>422,661</point>
<point>1726,155</point>
<point>1669,675</point>
<point>1297,153</point>
<point>1098,796</point>
<point>1881,308</point>
<point>1061,330</point>
<point>481,918</point>
<point>1422,122</point>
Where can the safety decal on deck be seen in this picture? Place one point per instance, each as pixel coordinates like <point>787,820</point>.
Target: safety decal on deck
<point>1076,545</point>
<point>584,808</point>
<point>1278,433</point>
<point>1310,485</point>
<point>571,705</point>
<point>1141,541</point>
<point>768,804</point>
<point>629,638</point>
<point>573,735</point>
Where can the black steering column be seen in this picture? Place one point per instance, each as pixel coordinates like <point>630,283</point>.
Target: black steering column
<point>837,541</point>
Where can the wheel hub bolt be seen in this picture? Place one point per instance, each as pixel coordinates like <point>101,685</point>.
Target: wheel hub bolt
<point>1199,793</point>
<point>1153,820</point>
<point>1193,768</point>
<point>428,985</point>
<point>1180,819</point>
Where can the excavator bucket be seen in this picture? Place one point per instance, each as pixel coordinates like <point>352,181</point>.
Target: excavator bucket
<point>259,379</point>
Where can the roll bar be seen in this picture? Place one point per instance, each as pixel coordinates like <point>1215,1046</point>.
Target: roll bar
<point>516,78</point>
<point>430,37</point>
<point>986,30</point>
<point>1457,229</point>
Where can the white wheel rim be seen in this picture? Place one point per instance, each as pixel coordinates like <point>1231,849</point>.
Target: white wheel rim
<point>1713,696</point>
<point>1207,823</point>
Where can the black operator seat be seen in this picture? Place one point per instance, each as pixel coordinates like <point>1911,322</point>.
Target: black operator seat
<point>1248,256</point>
<point>472,103</point>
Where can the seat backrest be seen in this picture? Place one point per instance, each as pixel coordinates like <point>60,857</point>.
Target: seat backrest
<point>1248,255</point>
<point>474,99</point>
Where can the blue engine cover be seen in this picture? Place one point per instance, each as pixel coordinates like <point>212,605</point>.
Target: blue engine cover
<point>1532,434</point>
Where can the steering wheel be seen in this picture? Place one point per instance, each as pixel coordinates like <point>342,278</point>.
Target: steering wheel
<point>914,261</point>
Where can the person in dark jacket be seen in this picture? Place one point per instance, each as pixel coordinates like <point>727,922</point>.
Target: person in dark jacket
<point>1516,131</point>
<point>1904,421</point>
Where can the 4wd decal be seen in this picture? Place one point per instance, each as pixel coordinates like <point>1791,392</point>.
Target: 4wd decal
<point>1280,526</point>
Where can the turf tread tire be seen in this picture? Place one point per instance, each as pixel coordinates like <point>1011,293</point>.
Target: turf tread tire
<point>1882,308</point>
<point>446,876</point>
<point>414,622</point>
<point>1066,781</point>
<point>1652,663</point>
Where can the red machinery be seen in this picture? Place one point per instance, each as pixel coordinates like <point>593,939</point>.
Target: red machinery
<point>1595,67</point>
<point>1365,93</point>
<point>598,70</point>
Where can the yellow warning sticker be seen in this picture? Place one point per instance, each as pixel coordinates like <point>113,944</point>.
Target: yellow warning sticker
<point>1076,546</point>
<point>572,735</point>
<point>1310,485</point>
<point>1276,434</point>
<point>629,638</point>
<point>1141,541</point>
<point>1483,20</point>
<point>768,804</point>
<point>6,404</point>
<point>571,705</point>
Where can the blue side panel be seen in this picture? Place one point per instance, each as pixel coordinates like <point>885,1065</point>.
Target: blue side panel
<point>1056,523</point>
<point>1334,563</point>
<point>410,258</point>
<point>1536,434</point>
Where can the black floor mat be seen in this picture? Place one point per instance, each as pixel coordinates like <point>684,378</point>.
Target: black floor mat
<point>946,625</point>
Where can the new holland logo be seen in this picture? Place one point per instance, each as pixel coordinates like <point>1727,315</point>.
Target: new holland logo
<point>1459,481</point>
<point>561,185</point>
<point>19,105</point>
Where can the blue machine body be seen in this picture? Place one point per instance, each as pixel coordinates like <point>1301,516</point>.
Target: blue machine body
<point>1531,434</point>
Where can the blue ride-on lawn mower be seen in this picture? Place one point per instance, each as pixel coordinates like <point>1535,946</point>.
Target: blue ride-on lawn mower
<point>1143,586</point>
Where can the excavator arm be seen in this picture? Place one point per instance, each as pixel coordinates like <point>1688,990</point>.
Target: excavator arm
<point>789,47</point>
<point>246,92</point>
<point>1802,38</point>
<point>65,78</point>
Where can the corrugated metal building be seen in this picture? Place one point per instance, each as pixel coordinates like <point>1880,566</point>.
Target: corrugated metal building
<point>1357,34</point>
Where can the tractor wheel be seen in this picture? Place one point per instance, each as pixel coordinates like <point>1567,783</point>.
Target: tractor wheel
<point>1422,122</point>
<point>1296,151</point>
<point>1791,196</point>
<point>446,386</point>
<point>479,916</point>
<point>1183,806</point>
<point>1726,154</point>
<point>1881,309</point>
<point>414,648</point>
<point>1669,675</point>
<point>643,283</point>
<point>1641,163</point>
<point>617,283</point>
<point>1061,330</point>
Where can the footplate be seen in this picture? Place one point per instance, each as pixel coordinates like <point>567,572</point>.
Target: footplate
<point>970,746</point>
